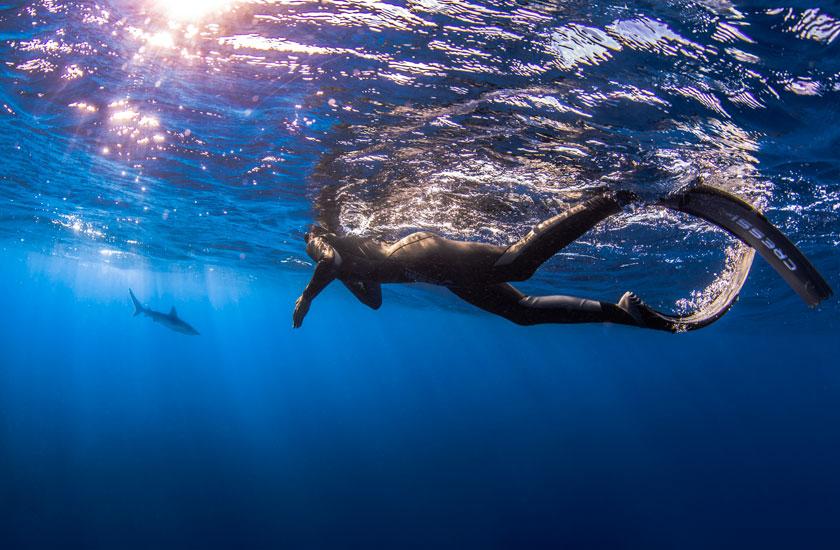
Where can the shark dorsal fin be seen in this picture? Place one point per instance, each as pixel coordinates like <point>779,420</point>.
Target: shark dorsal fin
<point>172,312</point>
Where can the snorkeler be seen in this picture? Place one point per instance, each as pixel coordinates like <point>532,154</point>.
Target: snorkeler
<point>480,273</point>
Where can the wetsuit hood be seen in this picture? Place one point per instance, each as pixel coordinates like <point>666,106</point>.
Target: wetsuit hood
<point>315,230</point>
<point>318,242</point>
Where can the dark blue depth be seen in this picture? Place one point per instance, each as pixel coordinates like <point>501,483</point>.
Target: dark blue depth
<point>186,162</point>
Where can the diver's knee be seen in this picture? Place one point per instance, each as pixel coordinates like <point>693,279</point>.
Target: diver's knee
<point>520,276</point>
<point>520,320</point>
<point>519,317</point>
<point>516,271</point>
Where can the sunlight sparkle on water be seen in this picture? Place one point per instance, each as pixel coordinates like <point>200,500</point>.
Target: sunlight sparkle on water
<point>191,10</point>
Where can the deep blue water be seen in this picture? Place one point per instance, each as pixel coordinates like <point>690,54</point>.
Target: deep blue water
<point>181,149</point>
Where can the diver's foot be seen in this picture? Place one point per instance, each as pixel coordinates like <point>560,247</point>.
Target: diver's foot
<point>676,198</point>
<point>644,315</point>
<point>624,197</point>
<point>631,304</point>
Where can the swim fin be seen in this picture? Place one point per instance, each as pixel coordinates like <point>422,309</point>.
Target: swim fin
<point>748,224</point>
<point>650,318</point>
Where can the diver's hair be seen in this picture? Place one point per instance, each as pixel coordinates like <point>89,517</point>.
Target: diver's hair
<point>315,230</point>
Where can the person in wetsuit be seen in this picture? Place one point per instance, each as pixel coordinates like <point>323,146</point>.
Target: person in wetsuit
<point>481,273</point>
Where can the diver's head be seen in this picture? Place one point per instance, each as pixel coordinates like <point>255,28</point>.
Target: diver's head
<point>315,242</point>
<point>314,231</point>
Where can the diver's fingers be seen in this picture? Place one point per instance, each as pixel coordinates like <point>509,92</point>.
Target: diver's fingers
<point>301,309</point>
<point>745,222</point>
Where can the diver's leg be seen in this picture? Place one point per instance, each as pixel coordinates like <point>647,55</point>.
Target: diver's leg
<point>522,258</point>
<point>508,302</point>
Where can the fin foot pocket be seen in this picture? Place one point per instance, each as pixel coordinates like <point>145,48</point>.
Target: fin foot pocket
<point>645,316</point>
<point>623,197</point>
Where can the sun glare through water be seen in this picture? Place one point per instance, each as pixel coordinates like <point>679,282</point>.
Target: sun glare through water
<point>192,10</point>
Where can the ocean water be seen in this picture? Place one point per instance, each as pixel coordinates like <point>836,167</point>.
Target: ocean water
<point>181,149</point>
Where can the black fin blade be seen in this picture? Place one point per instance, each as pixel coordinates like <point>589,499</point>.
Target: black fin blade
<point>748,224</point>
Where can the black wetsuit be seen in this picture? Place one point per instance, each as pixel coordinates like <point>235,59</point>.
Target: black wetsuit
<point>480,273</point>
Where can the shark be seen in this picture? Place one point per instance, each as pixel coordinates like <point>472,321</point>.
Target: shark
<point>169,320</point>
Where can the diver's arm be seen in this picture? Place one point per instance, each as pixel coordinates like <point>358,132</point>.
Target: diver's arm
<point>369,293</point>
<point>325,272</point>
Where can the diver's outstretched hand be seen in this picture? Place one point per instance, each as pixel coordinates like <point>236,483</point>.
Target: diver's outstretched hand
<point>301,309</point>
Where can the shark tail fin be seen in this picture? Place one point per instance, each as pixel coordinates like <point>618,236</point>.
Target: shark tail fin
<point>138,307</point>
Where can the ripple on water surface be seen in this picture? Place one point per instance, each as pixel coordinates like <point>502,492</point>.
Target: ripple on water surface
<point>213,132</point>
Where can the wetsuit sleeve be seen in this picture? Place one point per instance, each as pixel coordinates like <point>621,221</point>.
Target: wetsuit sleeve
<point>325,273</point>
<point>368,292</point>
